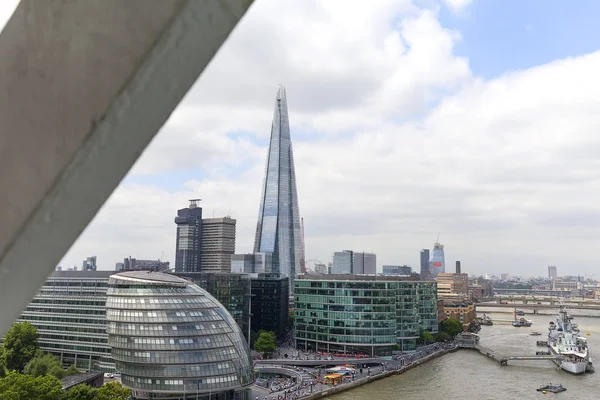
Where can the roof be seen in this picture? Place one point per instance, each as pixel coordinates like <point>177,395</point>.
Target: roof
<point>73,380</point>
<point>150,276</point>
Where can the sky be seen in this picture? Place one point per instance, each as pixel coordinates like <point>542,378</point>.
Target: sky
<point>475,120</point>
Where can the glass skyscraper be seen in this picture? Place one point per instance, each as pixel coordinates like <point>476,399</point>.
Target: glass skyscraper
<point>437,262</point>
<point>279,230</point>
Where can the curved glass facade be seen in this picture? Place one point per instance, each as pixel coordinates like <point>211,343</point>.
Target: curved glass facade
<point>170,339</point>
<point>373,315</point>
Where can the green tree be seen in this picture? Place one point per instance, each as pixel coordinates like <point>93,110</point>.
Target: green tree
<point>72,370</point>
<point>2,362</point>
<point>113,391</point>
<point>20,345</point>
<point>45,364</point>
<point>451,326</point>
<point>253,337</point>
<point>442,336</point>
<point>81,392</point>
<point>17,386</point>
<point>266,342</point>
<point>425,337</point>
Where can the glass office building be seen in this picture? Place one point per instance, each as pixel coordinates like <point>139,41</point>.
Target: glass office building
<point>231,290</point>
<point>170,339</point>
<point>362,314</point>
<point>70,315</point>
<point>278,230</point>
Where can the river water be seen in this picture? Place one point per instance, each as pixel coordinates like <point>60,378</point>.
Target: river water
<point>467,374</point>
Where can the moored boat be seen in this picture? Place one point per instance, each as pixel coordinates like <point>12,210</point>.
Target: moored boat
<point>564,341</point>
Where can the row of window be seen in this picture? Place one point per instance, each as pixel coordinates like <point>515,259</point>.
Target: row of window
<point>347,339</point>
<point>179,371</point>
<point>180,385</point>
<point>169,344</point>
<point>175,357</point>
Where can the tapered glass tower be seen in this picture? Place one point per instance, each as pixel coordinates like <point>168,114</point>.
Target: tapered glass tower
<point>278,230</point>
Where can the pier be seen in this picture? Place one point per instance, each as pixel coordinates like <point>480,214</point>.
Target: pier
<point>468,343</point>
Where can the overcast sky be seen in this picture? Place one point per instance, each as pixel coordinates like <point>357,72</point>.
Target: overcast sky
<point>475,119</point>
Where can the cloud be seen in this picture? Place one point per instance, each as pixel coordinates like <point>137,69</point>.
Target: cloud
<point>394,138</point>
<point>457,5</point>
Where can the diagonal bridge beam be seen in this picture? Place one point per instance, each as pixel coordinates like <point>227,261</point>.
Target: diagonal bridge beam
<point>86,84</point>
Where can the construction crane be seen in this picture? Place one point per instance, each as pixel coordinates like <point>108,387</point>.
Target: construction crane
<point>303,260</point>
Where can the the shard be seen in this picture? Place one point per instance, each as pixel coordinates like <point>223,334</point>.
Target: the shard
<point>279,230</point>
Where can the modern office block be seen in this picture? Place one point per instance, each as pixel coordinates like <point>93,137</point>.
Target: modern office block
<point>552,272</point>
<point>134,264</point>
<point>397,270</point>
<point>171,339</point>
<point>89,264</point>
<point>354,263</point>
<point>270,303</point>
<point>70,315</point>
<point>425,268</point>
<point>279,230</point>
<point>343,262</point>
<point>362,314</point>
<point>188,245</point>
<point>230,289</point>
<point>218,244</point>
<point>253,263</point>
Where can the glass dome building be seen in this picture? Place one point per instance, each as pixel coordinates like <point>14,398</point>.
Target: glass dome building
<point>170,339</point>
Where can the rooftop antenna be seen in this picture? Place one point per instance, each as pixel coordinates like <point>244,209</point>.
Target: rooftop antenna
<point>194,203</point>
<point>438,238</point>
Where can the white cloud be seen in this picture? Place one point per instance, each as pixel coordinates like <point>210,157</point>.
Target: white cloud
<point>457,5</point>
<point>395,140</point>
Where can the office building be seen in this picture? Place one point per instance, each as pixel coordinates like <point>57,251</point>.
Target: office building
<point>397,270</point>
<point>364,263</point>
<point>437,262</point>
<point>278,230</point>
<point>188,246</point>
<point>253,263</point>
<point>349,262</point>
<point>458,267</point>
<point>453,285</point>
<point>270,303</point>
<point>230,289</point>
<point>218,244</point>
<point>320,268</point>
<point>342,263</point>
<point>170,339</point>
<point>362,314</point>
<point>133,264</point>
<point>460,310</point>
<point>70,315</point>
<point>503,277</point>
<point>119,266</point>
<point>552,273</point>
<point>425,270</point>
<point>89,264</point>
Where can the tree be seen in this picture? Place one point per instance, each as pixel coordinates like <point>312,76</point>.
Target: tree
<point>253,337</point>
<point>81,392</point>
<point>113,391</point>
<point>425,337</point>
<point>45,364</point>
<point>451,326</point>
<point>2,362</point>
<point>17,386</point>
<point>442,337</point>
<point>20,345</point>
<point>72,370</point>
<point>291,318</point>
<point>266,342</point>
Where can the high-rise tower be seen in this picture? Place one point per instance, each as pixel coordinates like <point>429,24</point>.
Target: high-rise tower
<point>278,230</point>
<point>437,262</point>
<point>188,248</point>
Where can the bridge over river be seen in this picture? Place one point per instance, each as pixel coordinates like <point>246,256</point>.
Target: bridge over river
<point>504,359</point>
<point>574,309</point>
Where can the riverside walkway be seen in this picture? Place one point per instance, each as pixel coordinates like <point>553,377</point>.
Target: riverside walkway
<point>308,387</point>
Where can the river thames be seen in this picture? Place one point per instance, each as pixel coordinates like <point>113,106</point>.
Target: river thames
<point>467,374</point>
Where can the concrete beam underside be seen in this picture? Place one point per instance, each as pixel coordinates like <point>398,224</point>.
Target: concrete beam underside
<point>86,85</point>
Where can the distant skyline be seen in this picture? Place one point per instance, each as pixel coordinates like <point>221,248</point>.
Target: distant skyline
<point>474,119</point>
